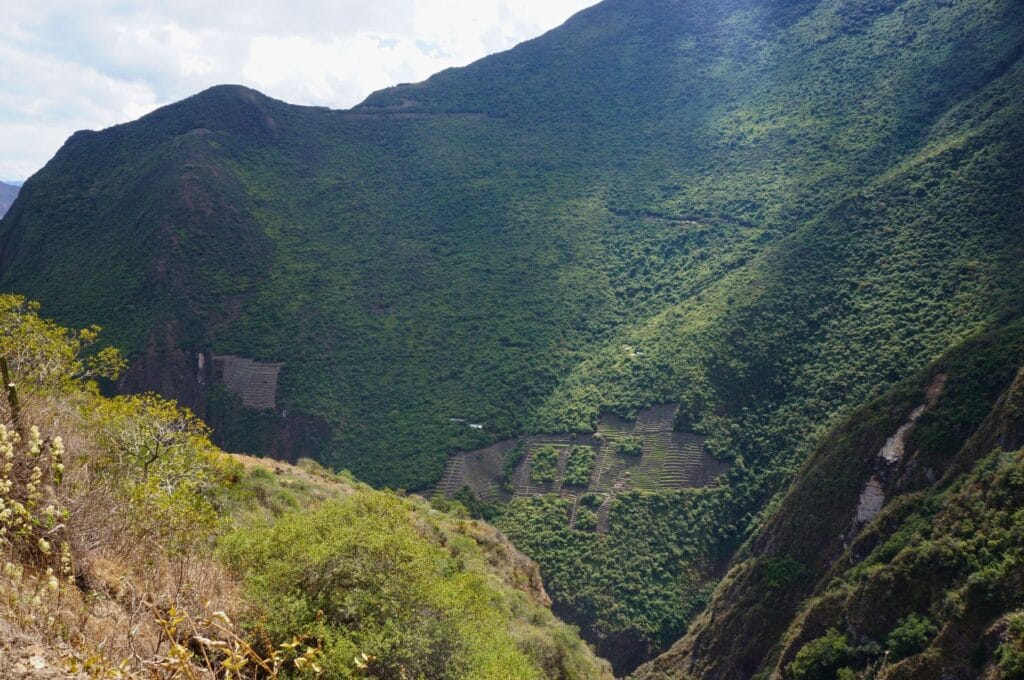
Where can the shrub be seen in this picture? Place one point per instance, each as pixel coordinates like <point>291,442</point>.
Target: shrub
<point>509,463</point>
<point>477,508</point>
<point>630,446</point>
<point>34,547</point>
<point>820,659</point>
<point>579,466</point>
<point>1010,654</point>
<point>782,572</point>
<point>355,576</point>
<point>586,519</point>
<point>544,464</point>
<point>910,636</point>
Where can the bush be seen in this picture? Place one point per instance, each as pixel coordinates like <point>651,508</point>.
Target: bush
<point>782,572</point>
<point>544,464</point>
<point>820,659</point>
<point>586,519</point>
<point>910,636</point>
<point>630,446</point>
<point>579,466</point>
<point>509,463</point>
<point>355,576</point>
<point>477,508</point>
<point>1010,654</point>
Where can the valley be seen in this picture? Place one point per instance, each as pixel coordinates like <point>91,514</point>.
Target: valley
<point>712,309</point>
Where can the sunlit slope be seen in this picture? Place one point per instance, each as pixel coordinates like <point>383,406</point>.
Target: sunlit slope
<point>455,248</point>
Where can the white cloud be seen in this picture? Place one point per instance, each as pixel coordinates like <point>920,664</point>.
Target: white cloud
<point>72,64</point>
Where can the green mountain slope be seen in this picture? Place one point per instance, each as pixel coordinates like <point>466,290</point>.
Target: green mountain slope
<point>893,561</point>
<point>453,256</point>
<point>133,547</point>
<point>768,359</point>
<point>787,207</point>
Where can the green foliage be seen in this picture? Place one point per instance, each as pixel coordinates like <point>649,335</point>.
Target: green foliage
<point>544,464</point>
<point>767,211</point>
<point>45,355</point>
<point>586,519</point>
<point>629,446</point>
<point>944,543</point>
<point>627,589</point>
<point>820,659</point>
<point>782,572</point>
<point>910,636</point>
<point>360,582</point>
<point>356,576</point>
<point>476,508</point>
<point>579,466</point>
<point>650,181</point>
<point>1010,653</point>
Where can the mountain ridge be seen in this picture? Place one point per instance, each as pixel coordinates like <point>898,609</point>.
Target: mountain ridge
<point>781,209</point>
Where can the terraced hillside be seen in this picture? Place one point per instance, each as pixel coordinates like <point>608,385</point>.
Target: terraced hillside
<point>669,461</point>
<point>769,211</point>
<point>254,381</point>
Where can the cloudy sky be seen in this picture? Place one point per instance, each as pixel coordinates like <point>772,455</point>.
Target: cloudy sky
<point>88,64</point>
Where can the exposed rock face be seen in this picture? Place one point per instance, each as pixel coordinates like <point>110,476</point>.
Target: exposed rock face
<point>871,501</point>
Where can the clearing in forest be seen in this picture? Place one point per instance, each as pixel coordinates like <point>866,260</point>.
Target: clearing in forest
<point>668,460</point>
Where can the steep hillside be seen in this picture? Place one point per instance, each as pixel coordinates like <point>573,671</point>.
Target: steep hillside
<point>132,547</point>
<point>8,193</point>
<point>451,249</point>
<point>896,553</point>
<point>767,212</point>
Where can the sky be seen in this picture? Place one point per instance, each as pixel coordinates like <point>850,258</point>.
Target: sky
<point>88,64</point>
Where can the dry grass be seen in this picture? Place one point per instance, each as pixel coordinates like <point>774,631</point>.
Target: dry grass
<point>108,618</point>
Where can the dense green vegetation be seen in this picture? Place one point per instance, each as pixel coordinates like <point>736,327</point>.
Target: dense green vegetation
<point>957,558</point>
<point>511,460</point>
<point>356,575</point>
<point>237,567</point>
<point>458,260</point>
<point>544,464</point>
<point>579,466</point>
<point>626,588</point>
<point>918,591</point>
<point>629,446</point>
<point>768,211</point>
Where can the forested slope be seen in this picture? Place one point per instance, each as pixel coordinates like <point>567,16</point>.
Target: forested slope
<point>455,256</point>
<point>896,553</point>
<point>770,212</point>
<point>132,547</point>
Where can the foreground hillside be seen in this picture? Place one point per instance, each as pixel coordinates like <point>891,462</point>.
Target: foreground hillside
<point>132,547</point>
<point>766,212</point>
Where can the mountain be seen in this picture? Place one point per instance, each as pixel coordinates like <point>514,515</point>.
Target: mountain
<point>913,568</point>
<point>132,544</point>
<point>8,192</point>
<point>768,213</point>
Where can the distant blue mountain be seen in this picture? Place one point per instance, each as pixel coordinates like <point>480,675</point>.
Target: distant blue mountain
<point>8,192</point>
